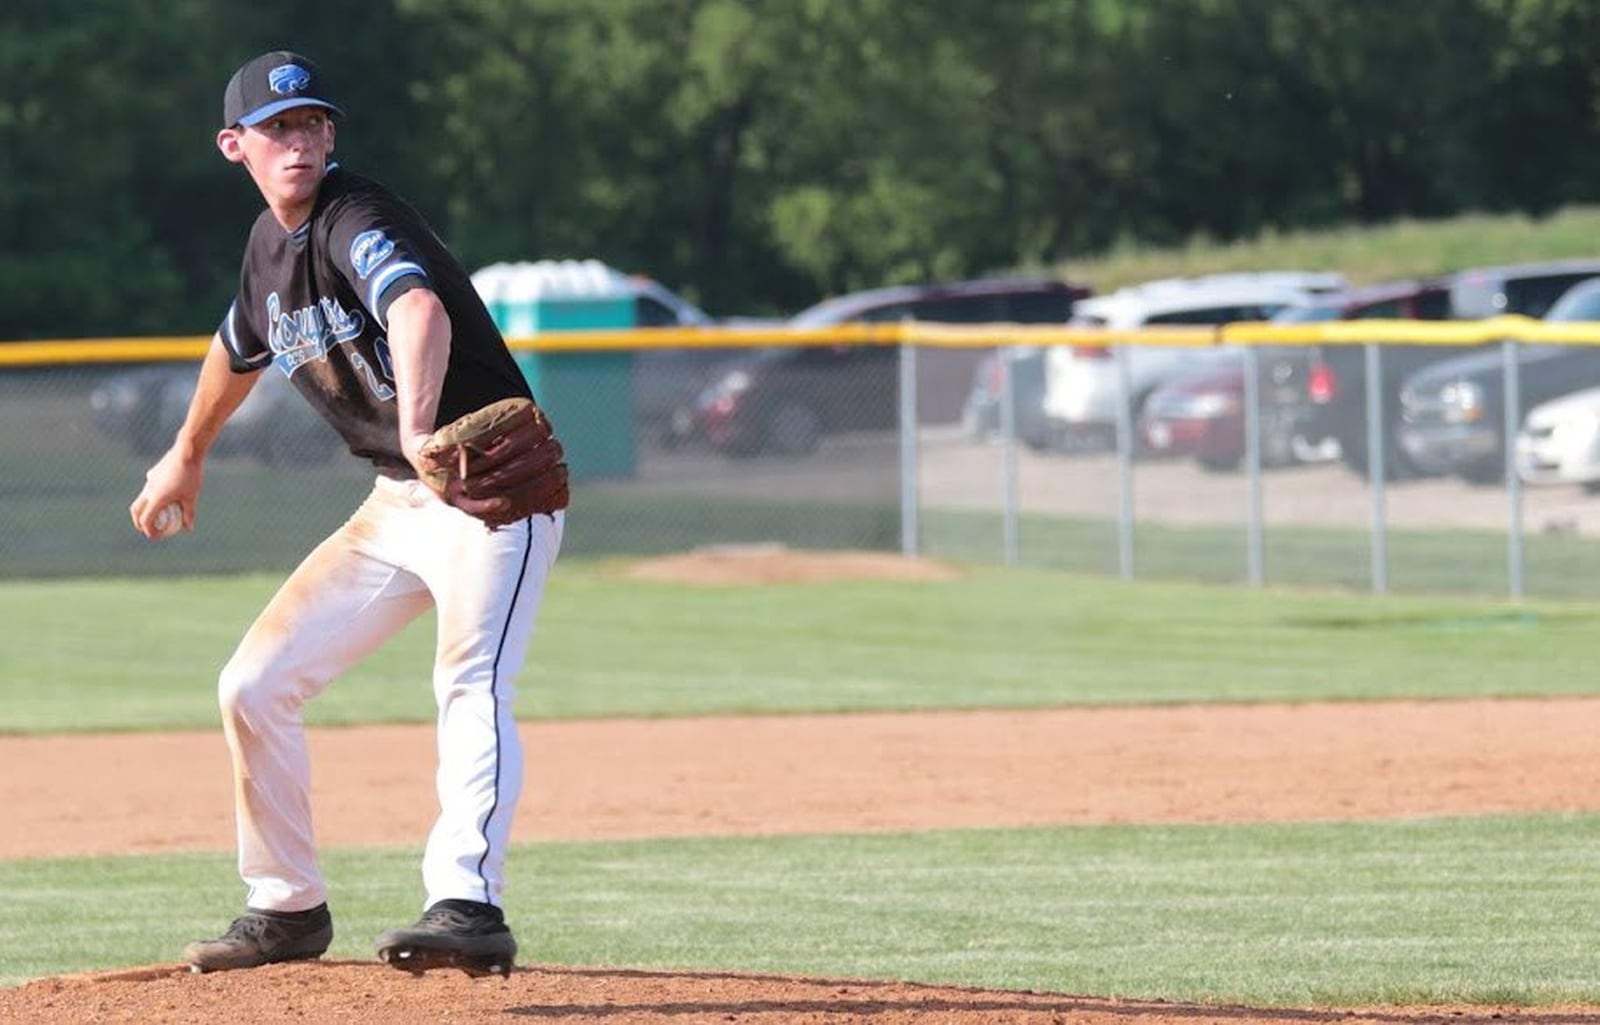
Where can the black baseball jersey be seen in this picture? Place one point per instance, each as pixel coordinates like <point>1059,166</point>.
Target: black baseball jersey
<point>313,304</point>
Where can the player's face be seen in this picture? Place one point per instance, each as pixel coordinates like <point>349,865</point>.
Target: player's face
<point>287,155</point>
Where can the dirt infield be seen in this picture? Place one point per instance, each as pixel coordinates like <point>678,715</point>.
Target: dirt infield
<point>721,776</point>
<point>89,794</point>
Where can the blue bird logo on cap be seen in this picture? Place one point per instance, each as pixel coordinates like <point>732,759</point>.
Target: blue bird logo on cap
<point>286,79</point>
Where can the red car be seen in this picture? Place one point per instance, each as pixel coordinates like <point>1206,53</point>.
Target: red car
<point>1202,415</point>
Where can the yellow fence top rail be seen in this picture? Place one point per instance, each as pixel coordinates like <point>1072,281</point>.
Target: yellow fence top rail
<point>1336,332</point>
<point>100,350</point>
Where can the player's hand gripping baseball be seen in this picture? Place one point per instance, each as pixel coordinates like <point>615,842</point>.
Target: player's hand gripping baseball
<point>172,481</point>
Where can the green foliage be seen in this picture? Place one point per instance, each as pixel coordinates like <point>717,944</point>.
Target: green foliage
<point>756,154</point>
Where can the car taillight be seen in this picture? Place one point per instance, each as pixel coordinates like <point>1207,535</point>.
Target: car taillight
<point>1322,384</point>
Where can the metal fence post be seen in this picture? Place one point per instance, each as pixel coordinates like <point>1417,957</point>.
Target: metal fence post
<point>1512,401</point>
<point>1376,469</point>
<point>1125,512</point>
<point>1254,556</point>
<point>910,528</point>
<point>1008,456</point>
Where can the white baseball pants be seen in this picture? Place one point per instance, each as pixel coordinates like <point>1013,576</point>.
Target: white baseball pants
<point>402,552</point>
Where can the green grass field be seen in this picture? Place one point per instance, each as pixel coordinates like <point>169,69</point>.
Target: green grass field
<point>607,646</point>
<point>1481,910</point>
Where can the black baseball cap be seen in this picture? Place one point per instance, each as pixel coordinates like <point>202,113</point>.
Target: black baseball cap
<point>270,84</point>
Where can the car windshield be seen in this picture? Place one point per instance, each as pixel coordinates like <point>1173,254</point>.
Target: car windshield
<point>1581,302</point>
<point>1307,313</point>
<point>1218,314</point>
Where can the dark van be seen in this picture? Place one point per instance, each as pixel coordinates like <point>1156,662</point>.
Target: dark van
<point>784,400</point>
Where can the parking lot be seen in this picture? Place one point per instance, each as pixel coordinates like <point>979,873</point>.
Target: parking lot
<point>957,473</point>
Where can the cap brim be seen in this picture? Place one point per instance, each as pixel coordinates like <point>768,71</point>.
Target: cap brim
<point>260,114</point>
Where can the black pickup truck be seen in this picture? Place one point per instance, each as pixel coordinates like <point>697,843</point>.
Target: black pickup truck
<point>1337,384</point>
<point>1452,413</point>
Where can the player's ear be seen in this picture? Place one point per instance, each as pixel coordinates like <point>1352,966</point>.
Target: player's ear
<point>332,134</point>
<point>228,142</point>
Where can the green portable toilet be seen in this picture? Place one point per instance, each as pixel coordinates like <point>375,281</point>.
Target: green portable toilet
<point>588,395</point>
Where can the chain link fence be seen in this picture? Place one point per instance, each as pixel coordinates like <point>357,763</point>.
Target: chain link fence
<point>802,446</point>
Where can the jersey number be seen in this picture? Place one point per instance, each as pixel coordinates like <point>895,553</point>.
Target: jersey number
<point>379,385</point>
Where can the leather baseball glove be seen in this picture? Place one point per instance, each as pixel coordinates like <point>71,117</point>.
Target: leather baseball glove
<point>501,463</point>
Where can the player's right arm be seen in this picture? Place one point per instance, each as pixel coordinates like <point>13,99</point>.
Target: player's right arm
<point>179,474</point>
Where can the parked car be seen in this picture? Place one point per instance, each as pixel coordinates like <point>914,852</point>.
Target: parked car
<point>1559,442</point>
<point>980,414</point>
<point>655,305</point>
<point>1201,413</point>
<point>1018,300</point>
<point>943,381</point>
<point>784,400</point>
<point>665,379</point>
<point>1472,294</point>
<point>1336,384</point>
<point>1452,413</point>
<point>1313,439</point>
<point>1083,384</point>
<point>145,406</point>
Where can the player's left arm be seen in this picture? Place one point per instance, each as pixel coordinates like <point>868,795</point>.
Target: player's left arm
<point>419,346</point>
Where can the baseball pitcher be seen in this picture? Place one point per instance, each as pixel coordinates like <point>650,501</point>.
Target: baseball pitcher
<point>347,291</point>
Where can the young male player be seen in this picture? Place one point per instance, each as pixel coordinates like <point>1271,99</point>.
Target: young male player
<point>347,291</point>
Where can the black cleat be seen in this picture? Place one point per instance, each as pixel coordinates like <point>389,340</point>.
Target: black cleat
<point>264,937</point>
<point>464,934</point>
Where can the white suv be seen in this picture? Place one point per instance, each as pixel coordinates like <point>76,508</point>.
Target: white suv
<point>1081,382</point>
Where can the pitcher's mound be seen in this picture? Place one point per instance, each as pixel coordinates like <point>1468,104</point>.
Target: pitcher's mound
<point>355,991</point>
<point>774,563</point>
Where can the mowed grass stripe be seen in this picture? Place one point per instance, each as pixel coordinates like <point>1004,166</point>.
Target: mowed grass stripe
<point>143,654</point>
<point>1484,910</point>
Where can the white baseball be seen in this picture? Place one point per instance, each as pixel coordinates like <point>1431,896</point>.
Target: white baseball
<point>168,521</point>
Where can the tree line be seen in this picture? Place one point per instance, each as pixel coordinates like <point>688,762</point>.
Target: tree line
<point>756,155</point>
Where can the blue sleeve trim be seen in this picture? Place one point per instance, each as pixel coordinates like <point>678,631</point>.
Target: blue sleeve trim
<point>386,277</point>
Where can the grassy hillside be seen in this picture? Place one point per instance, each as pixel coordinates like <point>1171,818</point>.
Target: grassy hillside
<point>1365,254</point>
